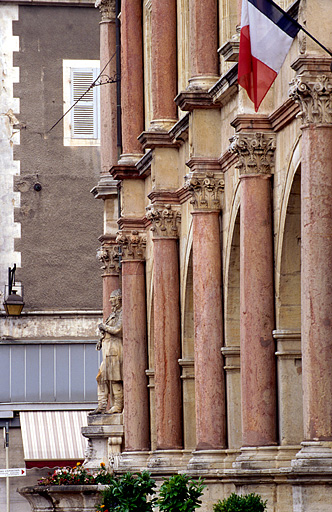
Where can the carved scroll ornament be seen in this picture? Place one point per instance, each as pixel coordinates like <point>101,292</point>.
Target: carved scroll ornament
<point>108,255</point>
<point>314,96</point>
<point>206,190</point>
<point>165,220</point>
<point>255,152</point>
<point>132,244</point>
<point>107,9</point>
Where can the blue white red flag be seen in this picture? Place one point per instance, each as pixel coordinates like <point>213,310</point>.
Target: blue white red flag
<point>267,33</point>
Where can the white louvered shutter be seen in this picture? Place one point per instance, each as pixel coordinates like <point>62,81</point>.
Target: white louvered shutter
<point>84,121</point>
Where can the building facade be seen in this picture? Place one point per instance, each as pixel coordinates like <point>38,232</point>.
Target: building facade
<point>49,55</point>
<point>222,219</point>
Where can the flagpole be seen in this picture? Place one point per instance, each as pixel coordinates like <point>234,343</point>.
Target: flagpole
<point>300,27</point>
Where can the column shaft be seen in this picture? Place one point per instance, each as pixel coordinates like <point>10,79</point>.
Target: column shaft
<point>108,142</point>
<point>131,76</point>
<point>204,37</point>
<point>164,77</point>
<point>258,372</point>
<point>316,282</point>
<point>136,401</point>
<point>167,344</point>
<point>110,283</point>
<point>209,374</point>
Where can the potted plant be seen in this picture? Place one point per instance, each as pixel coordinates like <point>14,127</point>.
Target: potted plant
<point>237,503</point>
<point>128,493</point>
<point>180,493</point>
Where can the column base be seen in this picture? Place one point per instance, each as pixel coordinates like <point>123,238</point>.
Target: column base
<point>168,460</point>
<point>311,478</point>
<point>129,158</point>
<point>261,457</point>
<point>105,435</point>
<point>207,460</point>
<point>202,82</point>
<point>133,461</point>
<point>163,125</point>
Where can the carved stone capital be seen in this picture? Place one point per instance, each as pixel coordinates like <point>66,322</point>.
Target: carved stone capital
<point>108,255</point>
<point>313,93</point>
<point>255,152</point>
<point>206,190</point>
<point>165,220</point>
<point>132,244</point>
<point>107,9</point>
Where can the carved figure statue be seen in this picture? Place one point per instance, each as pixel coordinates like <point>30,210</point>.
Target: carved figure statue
<point>109,378</point>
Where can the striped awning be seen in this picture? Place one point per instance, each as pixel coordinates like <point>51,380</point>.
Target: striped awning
<point>53,435</point>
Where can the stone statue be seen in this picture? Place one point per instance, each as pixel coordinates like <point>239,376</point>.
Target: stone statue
<point>109,378</point>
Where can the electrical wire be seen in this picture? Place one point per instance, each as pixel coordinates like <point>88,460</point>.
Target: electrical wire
<point>94,83</point>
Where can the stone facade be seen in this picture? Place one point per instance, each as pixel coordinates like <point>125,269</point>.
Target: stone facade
<point>224,228</point>
<point>229,203</point>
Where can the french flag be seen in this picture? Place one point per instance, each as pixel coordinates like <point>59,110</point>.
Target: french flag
<point>267,33</point>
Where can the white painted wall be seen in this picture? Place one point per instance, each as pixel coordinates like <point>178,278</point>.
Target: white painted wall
<point>9,106</point>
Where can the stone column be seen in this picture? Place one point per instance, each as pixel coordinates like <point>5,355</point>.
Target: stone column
<point>258,366</point>
<point>108,255</point>
<point>207,189</point>
<point>164,75</point>
<point>203,43</point>
<point>132,98</point>
<point>312,89</point>
<point>167,349</point>
<point>135,359</point>
<point>108,120</point>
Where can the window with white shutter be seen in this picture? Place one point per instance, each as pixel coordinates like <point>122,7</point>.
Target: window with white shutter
<point>81,124</point>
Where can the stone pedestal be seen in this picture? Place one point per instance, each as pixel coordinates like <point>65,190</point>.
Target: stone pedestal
<point>105,437</point>
<point>311,478</point>
<point>62,498</point>
<point>167,461</point>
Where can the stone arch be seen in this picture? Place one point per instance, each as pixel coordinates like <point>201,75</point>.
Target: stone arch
<point>231,350</point>
<point>187,340</point>
<point>288,306</point>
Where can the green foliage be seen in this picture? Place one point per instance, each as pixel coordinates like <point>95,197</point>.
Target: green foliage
<point>77,475</point>
<point>235,503</point>
<point>128,493</point>
<point>180,493</point>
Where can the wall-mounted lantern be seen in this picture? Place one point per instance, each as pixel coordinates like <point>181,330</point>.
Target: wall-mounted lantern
<point>13,302</point>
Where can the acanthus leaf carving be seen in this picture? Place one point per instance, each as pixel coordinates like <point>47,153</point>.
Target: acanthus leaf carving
<point>206,189</point>
<point>107,9</point>
<point>165,220</point>
<point>133,245</point>
<point>109,256</point>
<point>314,96</point>
<point>255,152</point>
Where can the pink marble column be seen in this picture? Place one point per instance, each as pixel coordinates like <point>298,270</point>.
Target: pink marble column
<point>136,401</point>
<point>209,373</point>
<point>203,38</point>
<point>316,280</point>
<point>164,70</point>
<point>132,99</point>
<point>108,141</point>
<point>167,349</point>
<point>110,283</point>
<point>258,365</point>
<point>312,90</point>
